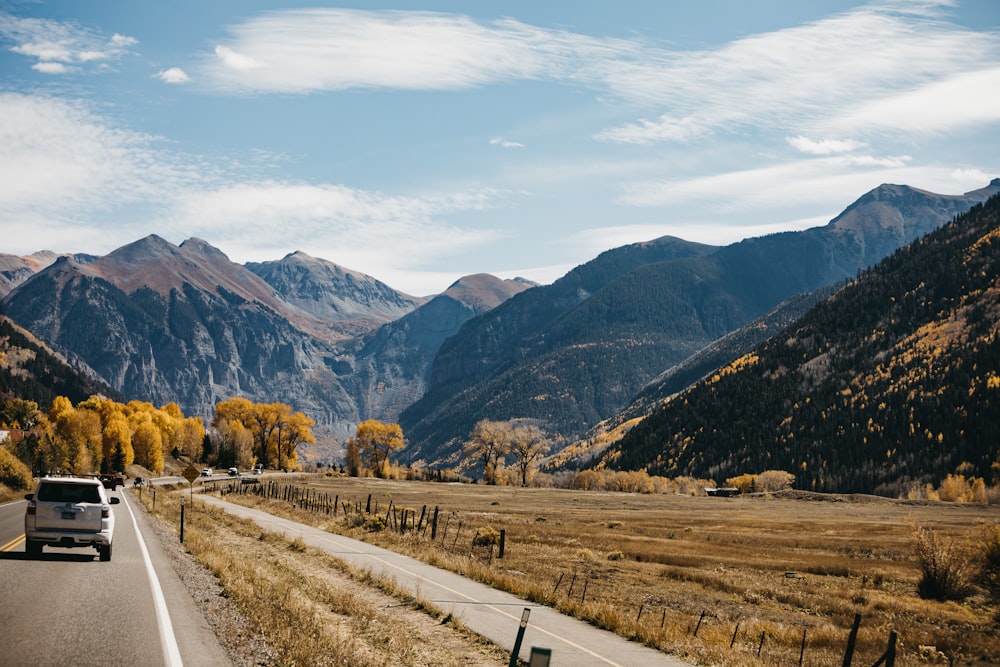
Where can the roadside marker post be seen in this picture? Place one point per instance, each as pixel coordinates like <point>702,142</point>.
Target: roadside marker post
<point>520,637</point>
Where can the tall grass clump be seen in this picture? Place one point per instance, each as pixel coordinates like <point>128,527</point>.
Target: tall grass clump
<point>945,564</point>
<point>989,573</point>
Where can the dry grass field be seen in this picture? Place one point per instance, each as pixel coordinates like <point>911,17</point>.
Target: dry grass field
<point>720,581</point>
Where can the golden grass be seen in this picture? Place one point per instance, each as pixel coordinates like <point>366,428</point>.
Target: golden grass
<point>309,606</point>
<point>648,566</point>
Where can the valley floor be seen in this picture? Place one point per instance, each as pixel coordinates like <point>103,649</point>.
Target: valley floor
<point>734,581</point>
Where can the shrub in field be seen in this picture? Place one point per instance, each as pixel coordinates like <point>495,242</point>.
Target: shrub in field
<point>13,473</point>
<point>945,564</point>
<point>989,573</point>
<point>374,523</point>
<point>487,536</point>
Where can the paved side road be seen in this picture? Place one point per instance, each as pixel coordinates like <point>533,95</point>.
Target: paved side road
<point>491,613</point>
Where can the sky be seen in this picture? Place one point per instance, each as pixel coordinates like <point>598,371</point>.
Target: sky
<point>418,142</point>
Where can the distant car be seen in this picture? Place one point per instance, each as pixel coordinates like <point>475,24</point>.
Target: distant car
<point>234,472</point>
<point>258,469</point>
<point>69,512</point>
<point>138,481</point>
<point>206,472</point>
<point>110,481</point>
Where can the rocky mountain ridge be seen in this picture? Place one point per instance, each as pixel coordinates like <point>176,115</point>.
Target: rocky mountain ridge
<point>576,352</point>
<point>165,323</point>
<point>183,323</point>
<point>890,384</point>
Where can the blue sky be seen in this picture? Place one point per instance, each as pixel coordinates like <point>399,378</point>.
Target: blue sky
<point>422,141</point>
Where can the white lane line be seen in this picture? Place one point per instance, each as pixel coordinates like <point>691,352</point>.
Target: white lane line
<point>171,652</point>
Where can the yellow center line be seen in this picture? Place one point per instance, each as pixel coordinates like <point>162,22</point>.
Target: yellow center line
<point>13,543</point>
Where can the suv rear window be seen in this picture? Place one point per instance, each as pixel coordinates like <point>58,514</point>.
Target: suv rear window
<point>68,493</point>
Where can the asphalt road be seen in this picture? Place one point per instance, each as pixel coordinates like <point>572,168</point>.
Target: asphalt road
<point>68,608</point>
<point>489,612</point>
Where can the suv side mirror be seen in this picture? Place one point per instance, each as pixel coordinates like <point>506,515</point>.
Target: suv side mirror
<point>29,496</point>
<point>114,500</point>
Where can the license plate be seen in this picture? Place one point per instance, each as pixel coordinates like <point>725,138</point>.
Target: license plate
<point>69,516</point>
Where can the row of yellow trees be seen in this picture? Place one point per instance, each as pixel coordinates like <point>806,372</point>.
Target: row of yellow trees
<point>102,434</point>
<point>490,444</point>
<point>266,433</point>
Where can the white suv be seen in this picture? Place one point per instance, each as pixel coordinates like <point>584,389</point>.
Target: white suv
<point>69,512</point>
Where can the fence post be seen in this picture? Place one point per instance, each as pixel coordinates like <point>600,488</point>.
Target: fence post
<point>434,525</point>
<point>559,581</point>
<point>700,619</point>
<point>760,647</point>
<point>889,657</point>
<point>851,641</point>
<point>735,632</point>
<point>503,542</point>
<point>802,651</point>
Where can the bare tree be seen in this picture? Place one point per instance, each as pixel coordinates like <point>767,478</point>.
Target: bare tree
<point>529,444</point>
<point>489,442</point>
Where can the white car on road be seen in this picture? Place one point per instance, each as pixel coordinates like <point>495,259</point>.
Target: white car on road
<point>69,512</point>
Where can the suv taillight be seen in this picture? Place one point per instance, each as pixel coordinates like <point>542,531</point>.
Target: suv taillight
<point>31,508</point>
<point>105,511</point>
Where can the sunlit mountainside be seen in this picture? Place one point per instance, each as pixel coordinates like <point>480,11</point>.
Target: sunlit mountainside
<point>892,382</point>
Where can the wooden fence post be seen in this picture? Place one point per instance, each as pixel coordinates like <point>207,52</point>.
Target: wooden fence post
<point>851,641</point>
<point>700,619</point>
<point>802,651</point>
<point>434,524</point>
<point>559,581</point>
<point>889,657</point>
<point>735,632</point>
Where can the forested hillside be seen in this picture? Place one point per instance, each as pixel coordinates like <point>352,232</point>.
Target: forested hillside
<point>893,381</point>
<point>29,370</point>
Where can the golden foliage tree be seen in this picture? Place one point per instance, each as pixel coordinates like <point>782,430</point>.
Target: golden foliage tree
<point>275,430</point>
<point>376,441</point>
<point>147,443</point>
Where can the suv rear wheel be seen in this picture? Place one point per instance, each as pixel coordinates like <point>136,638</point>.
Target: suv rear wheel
<point>105,551</point>
<point>33,548</point>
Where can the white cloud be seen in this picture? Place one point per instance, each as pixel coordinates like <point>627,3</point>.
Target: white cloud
<point>58,46</point>
<point>819,182</point>
<point>805,78</point>
<point>235,61</point>
<point>50,68</point>
<point>58,157</point>
<point>967,176</point>
<point>824,146</point>
<point>310,50</point>
<point>63,167</point>
<point>505,143</point>
<point>793,78</point>
<point>367,231</point>
<point>173,75</point>
<point>961,100</point>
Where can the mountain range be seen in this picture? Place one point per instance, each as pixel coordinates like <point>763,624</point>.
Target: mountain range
<point>162,323</point>
<point>890,384</point>
<point>576,352</point>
